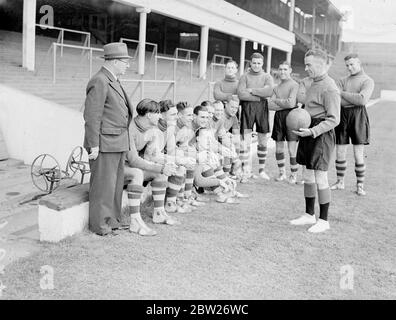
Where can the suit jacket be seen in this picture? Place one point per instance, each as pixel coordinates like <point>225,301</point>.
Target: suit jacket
<point>107,114</point>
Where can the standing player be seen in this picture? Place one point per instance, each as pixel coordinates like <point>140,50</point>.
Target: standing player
<point>253,89</point>
<point>224,89</point>
<point>317,143</point>
<point>283,101</point>
<point>356,90</point>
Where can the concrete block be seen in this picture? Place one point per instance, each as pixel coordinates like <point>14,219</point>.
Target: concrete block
<point>3,148</point>
<point>63,213</point>
<point>389,95</point>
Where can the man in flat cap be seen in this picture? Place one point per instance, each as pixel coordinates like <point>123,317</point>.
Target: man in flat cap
<point>107,114</point>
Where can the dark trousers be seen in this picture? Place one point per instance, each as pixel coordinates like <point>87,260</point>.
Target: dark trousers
<point>105,191</point>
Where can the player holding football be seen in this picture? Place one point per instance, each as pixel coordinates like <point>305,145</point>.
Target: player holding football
<point>317,143</point>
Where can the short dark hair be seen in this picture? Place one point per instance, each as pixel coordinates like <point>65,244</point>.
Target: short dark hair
<point>218,102</point>
<point>181,105</point>
<point>256,55</point>
<point>318,54</point>
<point>147,105</point>
<point>351,56</point>
<point>285,63</point>
<point>165,105</point>
<point>206,103</point>
<point>232,61</point>
<point>199,108</point>
<point>233,98</point>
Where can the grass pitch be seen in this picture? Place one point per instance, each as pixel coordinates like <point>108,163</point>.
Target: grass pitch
<point>245,251</point>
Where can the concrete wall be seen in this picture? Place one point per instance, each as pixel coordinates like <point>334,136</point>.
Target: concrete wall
<point>32,126</point>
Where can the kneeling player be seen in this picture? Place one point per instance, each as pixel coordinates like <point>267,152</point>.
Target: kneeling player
<point>224,121</point>
<point>136,175</point>
<point>209,173</point>
<point>141,131</point>
<point>163,149</point>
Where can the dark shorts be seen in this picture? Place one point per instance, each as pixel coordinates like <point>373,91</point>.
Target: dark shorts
<point>316,153</point>
<point>255,112</point>
<point>280,131</point>
<point>354,126</point>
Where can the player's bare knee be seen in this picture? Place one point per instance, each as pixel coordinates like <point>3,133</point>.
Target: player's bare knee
<point>358,151</point>
<point>262,139</point>
<point>341,150</point>
<point>181,171</point>
<point>292,148</point>
<point>280,147</point>
<point>308,175</point>
<point>321,179</point>
<point>134,175</point>
<point>160,178</point>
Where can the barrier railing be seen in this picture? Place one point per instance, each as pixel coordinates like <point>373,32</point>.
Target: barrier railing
<point>54,52</point>
<point>141,83</point>
<point>207,89</point>
<point>175,60</point>
<point>223,59</point>
<point>153,53</point>
<point>187,55</point>
<point>212,67</point>
<point>61,36</point>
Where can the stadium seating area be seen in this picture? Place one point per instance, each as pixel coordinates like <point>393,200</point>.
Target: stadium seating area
<point>72,73</point>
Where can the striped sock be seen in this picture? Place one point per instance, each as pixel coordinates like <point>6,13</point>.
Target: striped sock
<point>175,183</point>
<point>134,195</point>
<point>293,165</point>
<point>189,183</point>
<point>227,165</point>
<point>219,173</point>
<point>262,156</point>
<point>281,161</point>
<point>245,155</point>
<point>341,166</point>
<point>360,171</point>
<point>235,165</point>
<point>159,189</point>
<point>238,149</point>
<point>210,173</point>
<point>180,194</point>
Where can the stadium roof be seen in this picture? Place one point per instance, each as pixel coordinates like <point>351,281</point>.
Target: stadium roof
<point>324,7</point>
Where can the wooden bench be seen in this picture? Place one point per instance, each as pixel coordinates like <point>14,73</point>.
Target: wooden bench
<point>63,213</point>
